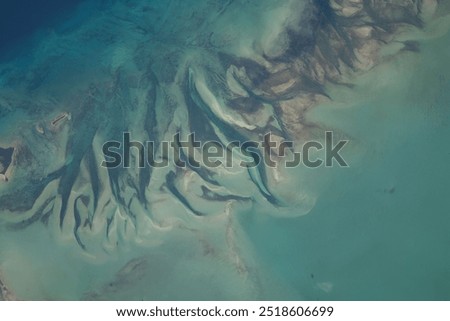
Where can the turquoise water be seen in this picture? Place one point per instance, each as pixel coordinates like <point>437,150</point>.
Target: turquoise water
<point>377,230</point>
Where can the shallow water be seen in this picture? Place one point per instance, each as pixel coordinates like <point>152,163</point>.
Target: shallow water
<point>379,230</point>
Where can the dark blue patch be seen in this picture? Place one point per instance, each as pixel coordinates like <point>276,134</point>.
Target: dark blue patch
<point>20,18</point>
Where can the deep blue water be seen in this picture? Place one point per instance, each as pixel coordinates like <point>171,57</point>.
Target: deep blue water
<point>19,19</point>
